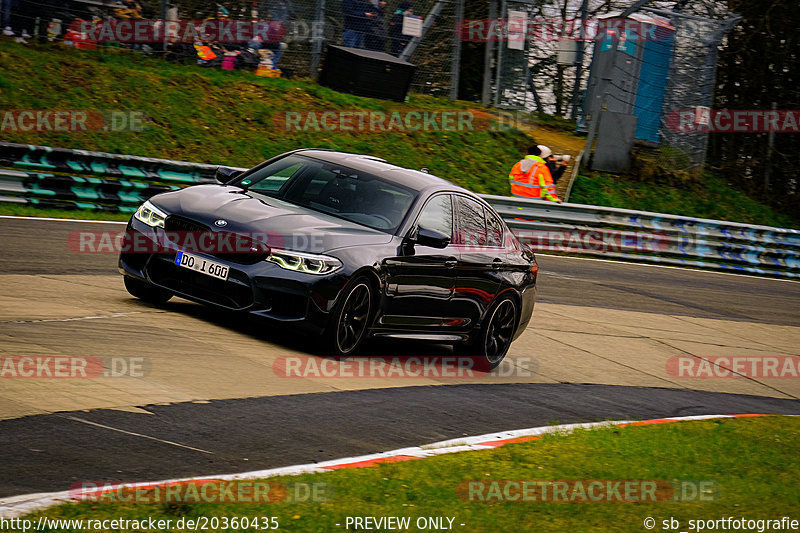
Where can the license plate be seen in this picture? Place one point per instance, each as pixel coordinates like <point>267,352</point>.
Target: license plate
<point>204,266</point>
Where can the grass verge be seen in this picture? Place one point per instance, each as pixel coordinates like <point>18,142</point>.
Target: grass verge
<point>751,462</point>
<point>11,209</point>
<point>708,197</point>
<point>234,118</point>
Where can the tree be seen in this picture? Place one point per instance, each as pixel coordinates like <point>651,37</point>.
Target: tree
<point>760,67</point>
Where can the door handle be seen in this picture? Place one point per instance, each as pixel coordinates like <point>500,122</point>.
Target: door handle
<point>451,262</point>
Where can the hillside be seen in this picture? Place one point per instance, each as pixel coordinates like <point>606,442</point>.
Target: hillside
<point>239,119</point>
<point>234,118</point>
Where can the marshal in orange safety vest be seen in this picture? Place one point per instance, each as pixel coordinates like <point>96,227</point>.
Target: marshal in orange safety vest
<point>530,178</point>
<point>204,52</point>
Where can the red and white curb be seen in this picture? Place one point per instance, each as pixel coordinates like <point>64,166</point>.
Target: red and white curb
<point>15,506</point>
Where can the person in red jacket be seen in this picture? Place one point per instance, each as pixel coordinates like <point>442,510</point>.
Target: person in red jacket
<point>530,177</point>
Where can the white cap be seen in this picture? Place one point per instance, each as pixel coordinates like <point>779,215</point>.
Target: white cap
<point>546,152</point>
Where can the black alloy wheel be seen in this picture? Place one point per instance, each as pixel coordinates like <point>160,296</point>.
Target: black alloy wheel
<point>499,331</point>
<point>352,319</point>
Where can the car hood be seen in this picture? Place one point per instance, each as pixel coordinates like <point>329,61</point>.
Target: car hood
<point>286,225</point>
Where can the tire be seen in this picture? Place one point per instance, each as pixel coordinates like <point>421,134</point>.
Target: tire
<point>351,318</point>
<point>146,292</point>
<point>496,333</point>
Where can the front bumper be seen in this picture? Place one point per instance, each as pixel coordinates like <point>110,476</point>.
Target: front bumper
<point>263,288</point>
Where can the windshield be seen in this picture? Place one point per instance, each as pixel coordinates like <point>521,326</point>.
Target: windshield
<point>339,191</point>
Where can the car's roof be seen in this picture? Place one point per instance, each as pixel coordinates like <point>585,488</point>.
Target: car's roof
<point>413,179</point>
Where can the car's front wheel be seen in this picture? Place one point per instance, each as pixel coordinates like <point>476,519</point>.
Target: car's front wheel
<point>496,333</point>
<point>350,320</point>
<point>146,292</point>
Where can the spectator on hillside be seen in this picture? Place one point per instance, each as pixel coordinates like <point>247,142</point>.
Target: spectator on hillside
<point>397,40</point>
<point>180,52</point>
<point>357,17</point>
<point>279,10</point>
<point>7,7</point>
<point>530,177</point>
<point>375,39</point>
<point>19,18</point>
<point>278,13</point>
<point>130,9</point>
<point>556,166</point>
<point>57,14</point>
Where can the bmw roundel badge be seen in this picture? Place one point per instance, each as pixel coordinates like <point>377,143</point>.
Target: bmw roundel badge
<point>220,223</point>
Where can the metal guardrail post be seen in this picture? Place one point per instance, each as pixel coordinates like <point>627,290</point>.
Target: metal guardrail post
<point>426,25</point>
<point>317,40</point>
<point>573,175</point>
<point>455,66</point>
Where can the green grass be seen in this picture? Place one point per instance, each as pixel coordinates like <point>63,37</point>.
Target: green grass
<point>708,197</point>
<point>751,462</point>
<point>555,122</point>
<point>221,117</point>
<point>30,211</point>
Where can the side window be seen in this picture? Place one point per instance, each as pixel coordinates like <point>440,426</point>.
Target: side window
<point>471,223</point>
<point>438,215</point>
<point>494,229</point>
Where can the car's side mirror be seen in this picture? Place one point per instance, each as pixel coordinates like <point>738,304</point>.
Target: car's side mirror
<point>225,175</point>
<point>431,238</point>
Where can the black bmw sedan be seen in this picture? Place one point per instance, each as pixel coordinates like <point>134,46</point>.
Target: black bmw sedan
<point>346,245</point>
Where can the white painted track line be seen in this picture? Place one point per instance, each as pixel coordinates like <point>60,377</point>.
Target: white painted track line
<point>16,506</point>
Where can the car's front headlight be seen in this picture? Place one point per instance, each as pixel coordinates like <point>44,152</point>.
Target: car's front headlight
<point>302,262</point>
<point>150,215</point>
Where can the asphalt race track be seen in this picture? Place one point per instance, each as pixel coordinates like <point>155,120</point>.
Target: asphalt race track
<point>34,247</point>
<point>254,433</point>
<point>211,401</point>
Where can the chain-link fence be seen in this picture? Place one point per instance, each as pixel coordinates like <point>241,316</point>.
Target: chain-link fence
<point>432,54</point>
<point>297,43</point>
<point>513,54</point>
<point>690,89</point>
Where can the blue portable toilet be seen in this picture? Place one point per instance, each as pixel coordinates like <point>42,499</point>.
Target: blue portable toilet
<point>629,70</point>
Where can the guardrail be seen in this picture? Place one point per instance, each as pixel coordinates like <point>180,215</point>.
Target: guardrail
<point>79,179</point>
<point>651,237</point>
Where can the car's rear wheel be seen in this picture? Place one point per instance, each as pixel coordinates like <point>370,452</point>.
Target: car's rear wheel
<point>496,333</point>
<point>146,292</point>
<point>350,320</point>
